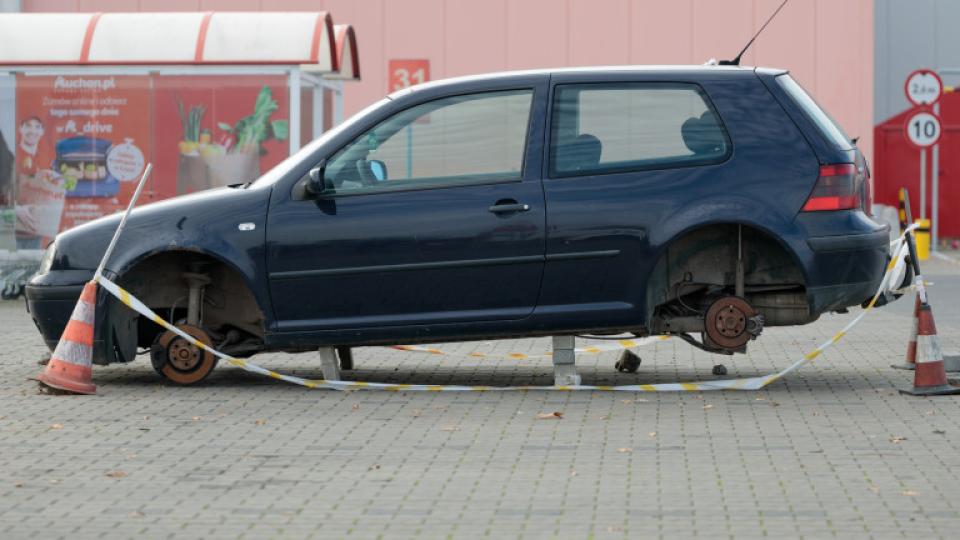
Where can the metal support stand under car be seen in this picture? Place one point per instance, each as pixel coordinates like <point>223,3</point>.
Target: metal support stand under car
<point>329,364</point>
<point>564,362</point>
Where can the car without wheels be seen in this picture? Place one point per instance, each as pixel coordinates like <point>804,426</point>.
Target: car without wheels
<point>705,202</point>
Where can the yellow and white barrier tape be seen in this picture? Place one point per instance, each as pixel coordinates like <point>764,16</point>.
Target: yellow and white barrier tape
<point>612,345</point>
<point>750,383</point>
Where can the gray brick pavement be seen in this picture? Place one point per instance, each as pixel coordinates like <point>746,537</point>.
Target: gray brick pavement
<point>817,455</point>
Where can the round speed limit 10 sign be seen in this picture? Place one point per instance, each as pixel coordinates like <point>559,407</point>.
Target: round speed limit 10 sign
<point>923,129</point>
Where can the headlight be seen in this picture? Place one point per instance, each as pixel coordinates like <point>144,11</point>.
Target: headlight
<point>47,260</point>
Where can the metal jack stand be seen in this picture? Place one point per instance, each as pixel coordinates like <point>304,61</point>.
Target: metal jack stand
<point>346,358</point>
<point>329,364</point>
<point>564,362</point>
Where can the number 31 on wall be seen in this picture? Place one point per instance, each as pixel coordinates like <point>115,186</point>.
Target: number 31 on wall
<point>406,72</point>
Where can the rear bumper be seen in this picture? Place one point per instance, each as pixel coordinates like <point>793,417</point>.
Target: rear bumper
<point>846,269</point>
<point>851,242</point>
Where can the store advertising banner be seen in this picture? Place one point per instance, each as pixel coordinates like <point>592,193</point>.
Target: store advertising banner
<point>81,144</point>
<point>76,145</point>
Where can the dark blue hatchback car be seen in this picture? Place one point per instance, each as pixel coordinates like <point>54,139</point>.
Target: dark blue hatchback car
<point>705,202</point>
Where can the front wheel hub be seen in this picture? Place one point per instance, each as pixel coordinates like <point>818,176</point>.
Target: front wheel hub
<point>179,360</point>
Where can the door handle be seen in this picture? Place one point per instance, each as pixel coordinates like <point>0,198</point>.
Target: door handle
<point>505,208</point>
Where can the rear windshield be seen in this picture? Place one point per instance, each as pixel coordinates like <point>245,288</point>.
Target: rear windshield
<point>828,126</point>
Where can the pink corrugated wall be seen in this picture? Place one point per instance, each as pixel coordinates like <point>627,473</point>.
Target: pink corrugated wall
<point>827,44</point>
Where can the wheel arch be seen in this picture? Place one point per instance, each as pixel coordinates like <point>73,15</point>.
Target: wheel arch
<point>681,234</point>
<point>231,292</point>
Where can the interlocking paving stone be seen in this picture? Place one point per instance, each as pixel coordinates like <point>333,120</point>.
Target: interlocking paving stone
<point>815,455</point>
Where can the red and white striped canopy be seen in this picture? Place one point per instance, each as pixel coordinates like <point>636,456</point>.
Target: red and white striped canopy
<point>304,39</point>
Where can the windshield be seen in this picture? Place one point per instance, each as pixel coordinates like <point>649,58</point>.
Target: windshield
<point>828,126</point>
<point>275,174</point>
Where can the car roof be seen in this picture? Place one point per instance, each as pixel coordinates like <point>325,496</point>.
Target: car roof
<point>685,70</point>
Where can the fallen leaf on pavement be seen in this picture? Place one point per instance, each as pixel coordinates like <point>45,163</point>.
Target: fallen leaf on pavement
<point>897,440</point>
<point>56,426</point>
<point>374,467</point>
<point>18,484</point>
<point>355,406</point>
<point>116,474</point>
<point>196,418</point>
<point>707,407</point>
<point>909,493</point>
<point>652,434</point>
<point>549,416</point>
<point>624,450</point>
<point>260,422</point>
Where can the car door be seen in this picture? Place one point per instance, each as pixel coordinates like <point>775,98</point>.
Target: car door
<point>434,215</point>
<point>625,152</point>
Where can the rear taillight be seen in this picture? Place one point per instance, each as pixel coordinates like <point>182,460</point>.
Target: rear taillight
<point>836,189</point>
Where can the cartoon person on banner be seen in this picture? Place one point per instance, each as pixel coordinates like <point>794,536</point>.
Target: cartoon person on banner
<point>34,161</point>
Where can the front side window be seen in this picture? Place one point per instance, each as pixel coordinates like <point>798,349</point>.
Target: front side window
<point>456,140</point>
<point>609,128</point>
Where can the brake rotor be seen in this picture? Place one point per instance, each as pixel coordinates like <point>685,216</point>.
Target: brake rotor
<point>727,320</point>
<point>181,361</point>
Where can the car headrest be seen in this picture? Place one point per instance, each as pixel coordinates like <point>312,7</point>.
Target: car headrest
<point>582,153</point>
<point>702,135</point>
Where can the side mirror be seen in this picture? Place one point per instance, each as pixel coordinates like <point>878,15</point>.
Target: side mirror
<point>315,184</point>
<point>378,169</point>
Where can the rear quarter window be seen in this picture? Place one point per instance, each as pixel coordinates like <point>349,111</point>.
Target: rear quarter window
<point>602,128</point>
<point>825,123</point>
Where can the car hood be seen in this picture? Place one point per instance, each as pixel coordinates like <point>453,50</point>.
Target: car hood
<point>179,222</point>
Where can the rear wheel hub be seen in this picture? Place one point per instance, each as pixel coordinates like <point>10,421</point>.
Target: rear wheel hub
<point>728,322</point>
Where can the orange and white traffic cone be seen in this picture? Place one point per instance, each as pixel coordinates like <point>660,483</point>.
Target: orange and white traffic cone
<point>70,368</point>
<point>911,359</point>
<point>929,378</point>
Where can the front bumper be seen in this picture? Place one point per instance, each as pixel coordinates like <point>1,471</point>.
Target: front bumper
<point>51,298</point>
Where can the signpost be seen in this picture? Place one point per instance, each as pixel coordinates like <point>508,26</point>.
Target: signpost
<point>924,89</point>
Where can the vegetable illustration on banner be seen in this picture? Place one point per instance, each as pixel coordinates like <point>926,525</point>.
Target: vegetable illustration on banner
<point>235,155</point>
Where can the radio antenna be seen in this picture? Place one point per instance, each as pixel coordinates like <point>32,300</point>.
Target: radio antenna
<point>736,61</point>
